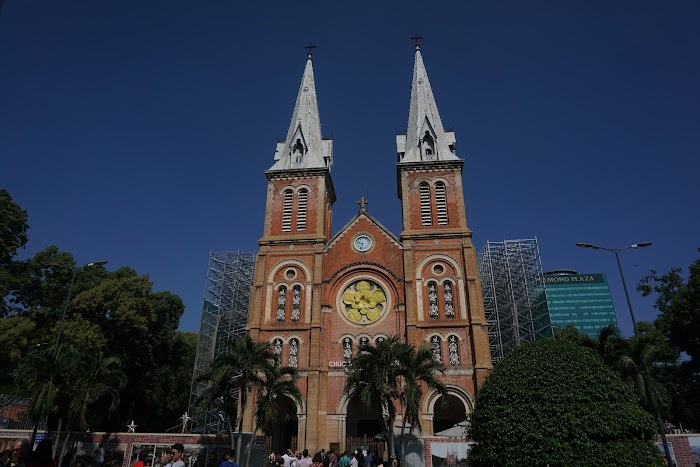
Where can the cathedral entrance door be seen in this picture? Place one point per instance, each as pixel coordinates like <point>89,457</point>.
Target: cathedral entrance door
<point>287,428</point>
<point>448,415</point>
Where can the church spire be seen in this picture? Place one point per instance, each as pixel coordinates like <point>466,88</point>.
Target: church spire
<point>425,139</point>
<point>304,148</point>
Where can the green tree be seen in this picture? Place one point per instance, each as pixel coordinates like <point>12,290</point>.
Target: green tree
<point>234,375</point>
<point>13,236</point>
<point>280,384</point>
<point>553,402</point>
<point>419,370</point>
<point>374,379</point>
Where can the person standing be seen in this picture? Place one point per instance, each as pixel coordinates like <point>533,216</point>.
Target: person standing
<point>99,459</point>
<point>21,452</point>
<point>344,460</point>
<point>228,461</point>
<point>288,458</point>
<point>176,451</point>
<point>305,460</point>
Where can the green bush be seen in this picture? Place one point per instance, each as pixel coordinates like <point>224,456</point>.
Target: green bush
<point>553,403</point>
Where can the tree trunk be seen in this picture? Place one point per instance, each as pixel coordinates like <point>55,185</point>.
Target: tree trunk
<point>403,444</point>
<point>239,441</point>
<point>58,437</point>
<point>390,435</point>
<point>230,431</point>
<point>249,449</point>
<point>65,444</point>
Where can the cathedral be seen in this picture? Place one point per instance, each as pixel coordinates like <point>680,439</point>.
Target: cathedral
<point>316,297</point>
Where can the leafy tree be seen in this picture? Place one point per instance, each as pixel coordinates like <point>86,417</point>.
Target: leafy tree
<point>553,402</point>
<point>678,300</point>
<point>13,227</point>
<point>13,235</point>
<point>374,379</point>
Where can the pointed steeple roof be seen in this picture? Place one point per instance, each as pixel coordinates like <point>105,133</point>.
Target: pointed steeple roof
<point>425,139</point>
<point>304,148</point>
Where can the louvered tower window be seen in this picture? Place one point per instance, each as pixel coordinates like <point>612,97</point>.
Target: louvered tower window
<point>436,344</point>
<point>277,348</point>
<point>301,209</point>
<point>441,203</point>
<point>425,214</point>
<point>287,211</point>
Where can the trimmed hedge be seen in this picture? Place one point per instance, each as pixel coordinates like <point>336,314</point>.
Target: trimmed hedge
<point>551,402</point>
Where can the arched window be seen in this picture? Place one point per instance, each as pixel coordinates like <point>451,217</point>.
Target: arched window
<point>296,302</point>
<point>301,208</point>
<point>294,352</point>
<point>453,347</point>
<point>281,303</point>
<point>277,348</point>
<point>428,146</point>
<point>441,203</point>
<point>287,211</point>
<point>297,152</point>
<point>347,348</point>
<point>448,295</point>
<point>433,309</point>
<point>364,340</point>
<point>436,344</point>
<point>425,211</point>
<point>380,339</point>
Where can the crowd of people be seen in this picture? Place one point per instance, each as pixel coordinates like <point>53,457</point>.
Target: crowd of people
<point>21,454</point>
<point>357,458</point>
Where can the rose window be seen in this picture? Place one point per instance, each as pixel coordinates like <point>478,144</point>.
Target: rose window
<point>364,301</point>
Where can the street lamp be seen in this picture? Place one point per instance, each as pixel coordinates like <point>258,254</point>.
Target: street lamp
<point>619,266</point>
<point>70,292</point>
<point>634,324</point>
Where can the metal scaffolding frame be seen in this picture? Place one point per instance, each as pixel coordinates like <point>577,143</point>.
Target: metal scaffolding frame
<point>514,296</point>
<point>224,317</point>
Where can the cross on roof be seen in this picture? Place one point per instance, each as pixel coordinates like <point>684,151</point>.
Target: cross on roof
<point>310,48</point>
<point>417,37</point>
<point>363,203</point>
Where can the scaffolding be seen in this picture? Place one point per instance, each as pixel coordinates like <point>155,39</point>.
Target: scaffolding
<point>224,317</point>
<point>514,296</point>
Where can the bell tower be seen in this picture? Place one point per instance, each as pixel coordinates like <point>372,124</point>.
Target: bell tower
<point>285,302</point>
<point>444,304</point>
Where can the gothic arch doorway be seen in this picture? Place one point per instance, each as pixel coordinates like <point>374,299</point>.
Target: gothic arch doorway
<point>451,413</point>
<point>362,421</point>
<point>287,427</point>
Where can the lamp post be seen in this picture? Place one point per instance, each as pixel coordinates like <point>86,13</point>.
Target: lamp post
<point>70,292</point>
<point>617,251</point>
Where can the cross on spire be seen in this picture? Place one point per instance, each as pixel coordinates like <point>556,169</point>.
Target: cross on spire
<point>363,203</point>
<point>417,37</point>
<point>310,48</point>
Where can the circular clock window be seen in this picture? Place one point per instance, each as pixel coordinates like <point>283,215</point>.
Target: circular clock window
<point>362,243</point>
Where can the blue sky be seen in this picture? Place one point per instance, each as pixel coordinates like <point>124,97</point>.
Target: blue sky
<point>138,131</point>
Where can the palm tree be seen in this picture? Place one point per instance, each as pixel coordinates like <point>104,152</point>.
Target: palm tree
<point>418,370</point>
<point>94,377</point>
<point>374,379</point>
<point>235,374</point>
<point>280,383</point>
<point>635,364</point>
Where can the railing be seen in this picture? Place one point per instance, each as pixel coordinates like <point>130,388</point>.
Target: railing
<point>366,443</point>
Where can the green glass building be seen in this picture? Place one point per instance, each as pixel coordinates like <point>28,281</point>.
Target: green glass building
<point>579,299</point>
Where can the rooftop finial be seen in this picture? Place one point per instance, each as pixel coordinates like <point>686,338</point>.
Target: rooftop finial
<point>310,47</point>
<point>363,203</point>
<point>417,37</point>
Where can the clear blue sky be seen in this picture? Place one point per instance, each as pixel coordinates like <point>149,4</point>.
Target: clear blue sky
<point>138,131</point>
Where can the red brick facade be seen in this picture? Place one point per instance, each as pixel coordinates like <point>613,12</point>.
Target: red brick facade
<point>307,284</point>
